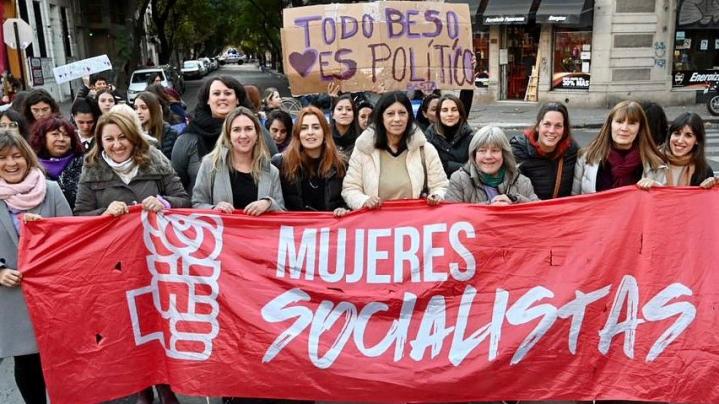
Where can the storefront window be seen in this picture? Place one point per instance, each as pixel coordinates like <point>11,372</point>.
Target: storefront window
<point>572,57</point>
<point>695,57</point>
<point>481,52</point>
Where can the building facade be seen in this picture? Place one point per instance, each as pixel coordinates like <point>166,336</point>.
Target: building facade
<point>596,52</point>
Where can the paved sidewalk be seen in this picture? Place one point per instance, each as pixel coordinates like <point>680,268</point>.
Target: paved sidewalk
<point>520,115</point>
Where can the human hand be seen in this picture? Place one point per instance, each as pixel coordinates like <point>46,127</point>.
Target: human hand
<point>708,183</point>
<point>31,217</point>
<point>333,89</point>
<point>152,204</point>
<point>647,183</point>
<point>372,203</point>
<point>501,200</point>
<point>10,277</point>
<point>224,207</point>
<point>116,208</point>
<point>339,212</point>
<point>257,208</point>
<point>433,200</point>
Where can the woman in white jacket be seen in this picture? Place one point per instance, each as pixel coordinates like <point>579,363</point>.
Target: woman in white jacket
<point>393,160</point>
<point>623,153</point>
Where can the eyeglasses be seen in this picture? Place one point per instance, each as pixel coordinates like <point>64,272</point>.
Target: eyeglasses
<point>8,125</point>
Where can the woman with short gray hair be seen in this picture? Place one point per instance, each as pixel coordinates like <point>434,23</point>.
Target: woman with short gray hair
<point>491,175</point>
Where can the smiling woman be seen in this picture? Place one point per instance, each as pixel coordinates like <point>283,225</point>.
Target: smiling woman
<point>60,153</point>
<point>122,169</point>
<point>449,133</point>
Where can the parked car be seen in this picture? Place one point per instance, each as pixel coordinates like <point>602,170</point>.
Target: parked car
<point>170,79</point>
<point>232,55</point>
<point>192,69</point>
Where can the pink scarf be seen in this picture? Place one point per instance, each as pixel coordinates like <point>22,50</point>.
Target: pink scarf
<point>26,194</point>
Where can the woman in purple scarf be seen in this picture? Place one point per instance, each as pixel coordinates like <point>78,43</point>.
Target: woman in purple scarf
<point>60,152</point>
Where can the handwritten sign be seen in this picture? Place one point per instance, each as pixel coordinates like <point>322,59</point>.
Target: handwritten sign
<point>85,67</point>
<point>378,46</point>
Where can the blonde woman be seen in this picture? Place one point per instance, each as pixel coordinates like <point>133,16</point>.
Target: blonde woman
<point>237,174</point>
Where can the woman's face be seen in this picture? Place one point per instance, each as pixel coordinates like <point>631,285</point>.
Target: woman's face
<point>13,166</point>
<point>624,133</point>
<point>489,159</point>
<point>105,101</point>
<point>311,136</point>
<point>142,110</point>
<point>222,100</point>
<point>363,117</point>
<point>431,113</point>
<point>40,110</point>
<point>243,135</point>
<point>158,80</point>
<point>115,144</point>
<point>342,114</point>
<point>682,141</point>
<point>449,113</point>
<point>275,100</point>
<point>550,130</point>
<point>57,142</point>
<point>8,124</point>
<point>278,131</point>
<point>395,119</point>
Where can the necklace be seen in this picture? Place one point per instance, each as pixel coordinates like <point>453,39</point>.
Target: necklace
<point>313,185</point>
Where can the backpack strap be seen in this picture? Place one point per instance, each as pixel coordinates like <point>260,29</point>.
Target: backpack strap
<point>558,181</point>
<point>425,188</point>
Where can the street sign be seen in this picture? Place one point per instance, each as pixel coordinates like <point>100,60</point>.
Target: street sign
<point>24,33</point>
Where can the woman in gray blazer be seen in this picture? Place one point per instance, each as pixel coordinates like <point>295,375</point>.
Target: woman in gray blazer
<point>26,195</point>
<point>237,174</point>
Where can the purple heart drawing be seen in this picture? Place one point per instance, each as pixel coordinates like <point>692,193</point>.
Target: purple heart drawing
<point>303,62</point>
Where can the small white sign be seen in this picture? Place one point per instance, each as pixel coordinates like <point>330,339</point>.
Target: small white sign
<point>586,55</point>
<point>704,44</point>
<point>503,57</point>
<point>585,67</point>
<point>85,67</point>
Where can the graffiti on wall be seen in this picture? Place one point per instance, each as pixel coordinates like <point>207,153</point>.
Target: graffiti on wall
<point>660,53</point>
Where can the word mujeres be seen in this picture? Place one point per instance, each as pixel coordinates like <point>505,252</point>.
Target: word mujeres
<point>437,34</point>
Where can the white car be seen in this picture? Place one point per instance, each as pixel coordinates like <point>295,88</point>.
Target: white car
<point>192,69</point>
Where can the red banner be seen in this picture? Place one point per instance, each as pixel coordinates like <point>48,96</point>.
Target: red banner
<point>605,296</point>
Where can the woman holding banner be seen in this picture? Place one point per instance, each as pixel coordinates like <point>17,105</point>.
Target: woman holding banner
<point>312,169</point>
<point>450,134</point>
<point>622,153</point>
<point>547,153</point>
<point>237,174</point>
<point>393,160</point>
<point>27,195</point>
<point>491,174</point>
<point>684,151</point>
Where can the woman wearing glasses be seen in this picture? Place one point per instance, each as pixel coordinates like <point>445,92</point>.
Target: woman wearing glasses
<point>14,121</point>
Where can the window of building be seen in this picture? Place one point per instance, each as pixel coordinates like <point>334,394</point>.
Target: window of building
<point>481,53</point>
<point>571,59</point>
<point>40,32</point>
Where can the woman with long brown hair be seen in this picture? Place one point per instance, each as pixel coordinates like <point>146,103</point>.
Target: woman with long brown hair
<point>311,168</point>
<point>622,153</point>
<point>149,110</point>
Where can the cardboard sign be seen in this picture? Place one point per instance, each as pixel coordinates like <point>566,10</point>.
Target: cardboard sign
<point>380,46</point>
<point>85,67</point>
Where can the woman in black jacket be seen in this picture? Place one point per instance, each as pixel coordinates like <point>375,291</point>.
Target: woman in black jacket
<point>450,134</point>
<point>311,168</point>
<point>149,110</point>
<point>546,153</point>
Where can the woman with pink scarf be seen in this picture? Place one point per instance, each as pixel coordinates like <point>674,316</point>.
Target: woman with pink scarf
<point>25,195</point>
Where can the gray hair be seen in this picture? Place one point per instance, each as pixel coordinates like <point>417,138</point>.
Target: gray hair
<point>493,136</point>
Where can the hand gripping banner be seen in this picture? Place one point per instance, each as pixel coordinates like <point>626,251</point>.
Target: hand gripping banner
<point>605,296</point>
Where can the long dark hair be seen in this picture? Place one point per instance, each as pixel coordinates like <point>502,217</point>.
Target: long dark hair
<point>384,102</point>
<point>696,124</point>
<point>421,119</point>
<point>295,160</point>
<point>204,94</point>
<point>353,126</point>
<point>460,109</point>
<point>37,96</point>
<point>552,107</point>
<point>657,121</point>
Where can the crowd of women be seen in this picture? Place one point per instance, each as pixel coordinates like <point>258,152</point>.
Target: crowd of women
<point>236,155</point>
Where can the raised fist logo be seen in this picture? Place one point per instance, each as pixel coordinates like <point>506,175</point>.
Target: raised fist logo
<point>183,259</point>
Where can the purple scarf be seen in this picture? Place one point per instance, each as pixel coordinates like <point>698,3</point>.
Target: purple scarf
<point>54,165</point>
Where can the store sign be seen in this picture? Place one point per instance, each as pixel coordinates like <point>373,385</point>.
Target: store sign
<point>694,78</point>
<point>506,20</point>
<point>36,72</point>
<point>577,80</point>
<point>557,18</point>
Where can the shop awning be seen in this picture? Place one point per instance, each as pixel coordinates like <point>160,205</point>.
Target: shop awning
<point>502,12</point>
<point>563,11</point>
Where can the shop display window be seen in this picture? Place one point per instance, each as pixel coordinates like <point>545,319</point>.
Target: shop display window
<point>572,59</point>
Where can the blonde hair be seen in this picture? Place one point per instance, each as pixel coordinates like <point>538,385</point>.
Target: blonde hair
<point>260,152</point>
<point>129,128</point>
